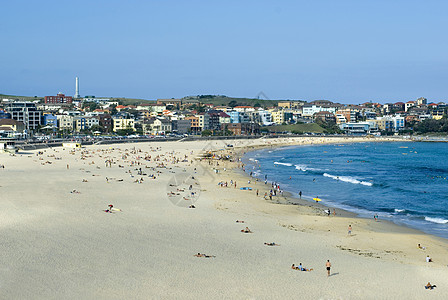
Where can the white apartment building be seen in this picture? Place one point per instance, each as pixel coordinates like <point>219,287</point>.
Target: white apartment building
<point>65,122</point>
<point>123,123</point>
<point>310,110</point>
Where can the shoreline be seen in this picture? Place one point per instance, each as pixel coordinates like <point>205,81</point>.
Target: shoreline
<point>289,199</point>
<point>295,200</point>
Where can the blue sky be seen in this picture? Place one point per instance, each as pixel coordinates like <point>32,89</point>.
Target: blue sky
<point>345,51</point>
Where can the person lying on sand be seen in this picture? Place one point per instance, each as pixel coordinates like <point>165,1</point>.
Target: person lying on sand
<point>271,244</point>
<point>192,206</point>
<point>246,230</point>
<point>429,286</point>
<point>421,247</point>
<point>204,255</point>
<point>75,192</point>
<point>109,210</point>
<point>238,221</point>
<point>300,268</point>
<point>84,180</point>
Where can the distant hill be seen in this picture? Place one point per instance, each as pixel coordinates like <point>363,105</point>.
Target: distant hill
<point>128,101</point>
<point>21,98</point>
<point>219,100</point>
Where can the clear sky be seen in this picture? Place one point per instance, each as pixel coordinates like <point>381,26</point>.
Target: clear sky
<point>340,50</point>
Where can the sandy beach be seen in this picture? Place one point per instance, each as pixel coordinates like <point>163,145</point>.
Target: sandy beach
<point>60,242</point>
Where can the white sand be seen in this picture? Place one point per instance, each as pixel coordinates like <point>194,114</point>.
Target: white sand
<point>61,245</point>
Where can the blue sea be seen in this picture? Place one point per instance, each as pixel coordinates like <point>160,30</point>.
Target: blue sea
<point>403,182</point>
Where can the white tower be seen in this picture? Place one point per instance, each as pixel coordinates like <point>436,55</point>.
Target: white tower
<point>77,89</point>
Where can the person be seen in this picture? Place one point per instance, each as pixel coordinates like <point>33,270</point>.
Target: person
<point>203,255</point>
<point>246,230</point>
<point>429,286</point>
<point>428,259</point>
<point>421,247</point>
<point>349,229</point>
<point>328,265</point>
<point>302,268</point>
<point>271,244</point>
<point>300,194</point>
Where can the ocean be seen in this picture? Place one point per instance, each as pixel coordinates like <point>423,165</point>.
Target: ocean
<point>403,182</point>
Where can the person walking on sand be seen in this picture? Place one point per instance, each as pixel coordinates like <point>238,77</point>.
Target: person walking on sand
<point>328,265</point>
<point>349,229</point>
<point>300,194</point>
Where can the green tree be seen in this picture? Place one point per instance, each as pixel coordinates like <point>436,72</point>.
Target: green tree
<point>206,132</point>
<point>233,103</point>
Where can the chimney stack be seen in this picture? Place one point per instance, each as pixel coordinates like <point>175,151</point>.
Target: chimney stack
<point>77,89</point>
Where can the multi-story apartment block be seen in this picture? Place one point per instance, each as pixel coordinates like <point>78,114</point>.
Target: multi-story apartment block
<point>58,99</point>
<point>65,122</point>
<point>25,112</point>
<point>122,123</point>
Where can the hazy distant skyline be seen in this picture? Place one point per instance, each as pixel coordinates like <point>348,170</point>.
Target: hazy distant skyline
<point>344,51</point>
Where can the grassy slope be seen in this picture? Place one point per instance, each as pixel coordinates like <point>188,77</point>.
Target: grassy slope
<point>311,127</point>
<point>21,98</point>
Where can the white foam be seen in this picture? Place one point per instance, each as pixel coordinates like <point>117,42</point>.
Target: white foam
<point>348,179</point>
<point>399,210</point>
<point>301,168</point>
<point>283,164</point>
<point>436,220</point>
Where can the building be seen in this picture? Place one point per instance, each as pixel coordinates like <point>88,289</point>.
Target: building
<point>4,115</point>
<point>361,128</point>
<point>194,124</point>
<point>223,117</point>
<point>278,116</point>
<point>347,115</point>
<point>105,121</point>
<point>308,110</point>
<point>213,120</point>
<point>244,108</point>
<point>65,122</point>
<point>122,123</point>
<point>389,123</point>
<point>50,120</point>
<point>181,126</point>
<point>58,99</point>
<point>25,112</point>
<point>156,126</point>
<point>11,125</point>
<point>234,116</point>
<point>241,128</point>
<point>324,116</point>
<point>96,100</point>
<point>204,121</point>
<point>265,117</point>
<point>437,114</point>
<point>83,123</point>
